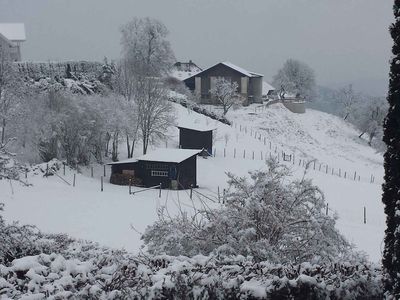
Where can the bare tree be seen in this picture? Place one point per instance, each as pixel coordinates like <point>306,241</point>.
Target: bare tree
<point>225,92</point>
<point>297,78</point>
<point>348,100</point>
<point>155,112</point>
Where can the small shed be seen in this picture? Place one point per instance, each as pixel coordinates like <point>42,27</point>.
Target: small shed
<point>173,168</point>
<point>196,136</point>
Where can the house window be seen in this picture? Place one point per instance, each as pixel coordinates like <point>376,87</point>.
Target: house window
<point>157,173</point>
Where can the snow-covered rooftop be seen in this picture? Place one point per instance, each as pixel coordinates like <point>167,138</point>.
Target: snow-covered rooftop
<point>266,87</point>
<point>241,70</point>
<point>196,126</point>
<point>125,161</point>
<point>232,66</point>
<point>13,31</point>
<point>169,155</point>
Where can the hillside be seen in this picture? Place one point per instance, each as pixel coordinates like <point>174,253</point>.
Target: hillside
<point>115,218</point>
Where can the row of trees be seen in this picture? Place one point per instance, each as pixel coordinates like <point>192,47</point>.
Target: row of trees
<point>53,122</point>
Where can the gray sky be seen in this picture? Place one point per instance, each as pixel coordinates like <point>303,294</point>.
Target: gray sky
<point>344,41</point>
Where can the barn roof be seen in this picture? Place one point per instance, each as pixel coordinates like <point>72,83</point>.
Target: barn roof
<point>13,31</point>
<point>169,155</point>
<point>232,66</point>
<point>196,127</point>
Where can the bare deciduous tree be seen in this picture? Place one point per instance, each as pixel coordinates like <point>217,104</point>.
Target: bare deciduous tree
<point>225,92</point>
<point>155,112</point>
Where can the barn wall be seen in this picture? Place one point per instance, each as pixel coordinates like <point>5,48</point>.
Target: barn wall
<point>192,139</point>
<point>187,173</point>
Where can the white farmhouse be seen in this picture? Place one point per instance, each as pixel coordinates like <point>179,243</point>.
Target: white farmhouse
<point>11,37</point>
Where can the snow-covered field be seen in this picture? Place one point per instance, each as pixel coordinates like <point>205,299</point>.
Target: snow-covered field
<point>115,218</point>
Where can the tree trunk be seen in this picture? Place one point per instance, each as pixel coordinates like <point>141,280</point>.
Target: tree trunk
<point>3,132</point>
<point>132,148</point>
<point>128,146</point>
<point>108,138</point>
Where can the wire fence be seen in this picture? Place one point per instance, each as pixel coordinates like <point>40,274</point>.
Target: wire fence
<point>288,157</point>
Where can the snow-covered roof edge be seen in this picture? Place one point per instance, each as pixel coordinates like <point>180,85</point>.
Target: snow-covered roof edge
<point>232,66</point>
<point>13,31</point>
<point>196,127</point>
<point>125,161</point>
<point>169,155</point>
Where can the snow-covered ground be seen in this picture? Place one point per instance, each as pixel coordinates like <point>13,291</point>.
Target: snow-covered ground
<point>115,218</point>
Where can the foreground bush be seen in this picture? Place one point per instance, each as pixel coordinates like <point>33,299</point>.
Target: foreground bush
<point>118,276</point>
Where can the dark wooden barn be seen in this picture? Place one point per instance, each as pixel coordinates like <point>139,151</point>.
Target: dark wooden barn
<point>249,83</point>
<point>196,137</point>
<point>173,168</point>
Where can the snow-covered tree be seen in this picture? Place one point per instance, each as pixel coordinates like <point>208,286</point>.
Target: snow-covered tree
<point>295,77</point>
<point>370,116</point>
<point>225,92</point>
<point>348,100</point>
<point>391,186</point>
<point>146,48</point>
<point>10,94</point>
<point>269,218</point>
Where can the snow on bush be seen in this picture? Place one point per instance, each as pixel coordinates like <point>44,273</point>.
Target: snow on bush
<point>269,218</point>
<point>118,276</point>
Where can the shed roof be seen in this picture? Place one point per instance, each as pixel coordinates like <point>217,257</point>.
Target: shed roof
<point>196,127</point>
<point>125,161</point>
<point>169,155</point>
<point>13,31</point>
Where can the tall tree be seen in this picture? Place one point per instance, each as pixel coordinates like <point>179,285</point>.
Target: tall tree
<point>391,187</point>
<point>297,78</point>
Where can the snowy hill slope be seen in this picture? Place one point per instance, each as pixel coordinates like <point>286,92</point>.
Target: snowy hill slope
<point>107,217</point>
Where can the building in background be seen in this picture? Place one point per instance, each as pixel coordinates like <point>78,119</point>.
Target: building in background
<point>183,70</point>
<point>12,35</point>
<point>250,84</point>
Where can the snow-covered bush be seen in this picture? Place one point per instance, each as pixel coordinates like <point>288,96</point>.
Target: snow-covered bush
<point>269,218</point>
<point>34,265</point>
<point>119,276</point>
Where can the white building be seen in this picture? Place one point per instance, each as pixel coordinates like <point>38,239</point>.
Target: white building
<point>11,37</point>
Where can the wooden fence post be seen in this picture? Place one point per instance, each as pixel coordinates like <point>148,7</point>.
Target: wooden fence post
<point>345,173</point>
<point>218,195</point>
<point>253,155</point>
<point>224,152</point>
<point>327,208</point>
<point>355,174</point>
<point>64,169</point>
<point>244,153</point>
<point>101,183</point>
<point>91,171</point>
<point>365,215</point>
<point>73,183</point>
<point>234,153</point>
<point>159,193</point>
<point>130,186</point>
<point>191,191</point>
<point>104,168</point>
<point>340,171</point>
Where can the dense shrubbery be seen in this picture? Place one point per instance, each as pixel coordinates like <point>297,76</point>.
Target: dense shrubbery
<point>269,218</point>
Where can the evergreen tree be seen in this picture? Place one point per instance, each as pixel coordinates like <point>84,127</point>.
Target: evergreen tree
<point>391,187</point>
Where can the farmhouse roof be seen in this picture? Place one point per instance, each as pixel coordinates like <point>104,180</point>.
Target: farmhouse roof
<point>232,66</point>
<point>196,127</point>
<point>169,155</point>
<point>13,31</point>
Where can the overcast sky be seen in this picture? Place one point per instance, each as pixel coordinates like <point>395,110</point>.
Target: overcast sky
<point>344,41</point>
